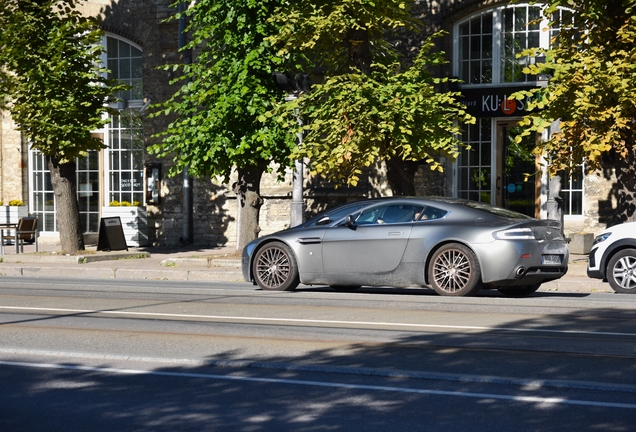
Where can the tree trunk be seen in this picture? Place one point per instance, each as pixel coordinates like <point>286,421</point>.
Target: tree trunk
<point>63,178</point>
<point>248,192</point>
<point>400,175</point>
<point>625,188</point>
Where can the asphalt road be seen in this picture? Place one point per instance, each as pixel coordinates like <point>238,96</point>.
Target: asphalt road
<point>163,355</point>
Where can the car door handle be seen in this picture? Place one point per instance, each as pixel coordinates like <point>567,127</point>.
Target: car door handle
<point>393,233</point>
<point>309,240</point>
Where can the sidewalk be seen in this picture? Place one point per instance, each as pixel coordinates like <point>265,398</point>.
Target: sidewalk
<point>192,263</point>
<point>189,263</point>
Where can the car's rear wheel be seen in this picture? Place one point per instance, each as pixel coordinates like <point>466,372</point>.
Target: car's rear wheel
<point>275,268</point>
<point>454,271</point>
<point>520,291</point>
<point>621,271</point>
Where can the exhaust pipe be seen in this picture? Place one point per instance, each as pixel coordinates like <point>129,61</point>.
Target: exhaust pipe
<point>520,271</point>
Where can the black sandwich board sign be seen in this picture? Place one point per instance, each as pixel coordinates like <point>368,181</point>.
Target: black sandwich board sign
<point>111,235</point>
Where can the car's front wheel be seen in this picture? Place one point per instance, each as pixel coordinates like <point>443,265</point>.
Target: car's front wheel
<point>454,271</point>
<point>621,271</point>
<point>275,268</point>
<point>521,291</point>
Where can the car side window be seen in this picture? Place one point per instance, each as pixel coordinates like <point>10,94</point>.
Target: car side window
<point>432,213</point>
<point>391,213</point>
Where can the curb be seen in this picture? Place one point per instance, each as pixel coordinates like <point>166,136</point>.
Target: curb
<point>81,272</point>
<point>71,259</point>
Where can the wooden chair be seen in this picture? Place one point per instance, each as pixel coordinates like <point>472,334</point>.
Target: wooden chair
<point>26,232</point>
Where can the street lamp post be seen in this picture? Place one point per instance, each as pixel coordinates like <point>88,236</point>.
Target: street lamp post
<point>295,86</point>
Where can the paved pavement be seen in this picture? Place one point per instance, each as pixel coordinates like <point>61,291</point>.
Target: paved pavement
<point>191,263</point>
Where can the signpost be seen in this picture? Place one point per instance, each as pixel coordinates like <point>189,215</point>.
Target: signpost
<point>111,235</point>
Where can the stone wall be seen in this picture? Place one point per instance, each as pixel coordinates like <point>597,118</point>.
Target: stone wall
<point>13,162</point>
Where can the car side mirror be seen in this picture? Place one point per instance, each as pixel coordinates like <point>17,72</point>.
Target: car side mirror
<point>350,222</point>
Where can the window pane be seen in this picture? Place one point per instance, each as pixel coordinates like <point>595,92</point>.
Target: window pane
<point>487,46</point>
<point>124,49</point>
<point>475,72</point>
<point>577,203</point>
<point>508,15</point>
<point>521,21</point>
<point>475,47</point>
<point>464,29</point>
<point>136,67</point>
<point>534,18</point>
<point>475,25</point>
<point>124,69</point>
<point>486,24</point>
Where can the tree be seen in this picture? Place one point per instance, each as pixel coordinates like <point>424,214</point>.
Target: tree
<point>373,104</point>
<point>223,92</point>
<point>592,64</point>
<point>56,92</point>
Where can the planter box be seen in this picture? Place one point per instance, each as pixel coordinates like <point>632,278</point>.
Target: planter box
<point>11,214</point>
<point>134,222</point>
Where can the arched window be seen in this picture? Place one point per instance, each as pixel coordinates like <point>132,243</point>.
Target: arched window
<point>124,134</point>
<point>487,44</point>
<point>122,164</point>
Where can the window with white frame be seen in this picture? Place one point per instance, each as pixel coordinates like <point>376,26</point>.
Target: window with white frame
<point>572,192</point>
<point>474,165</point>
<point>125,64</point>
<point>520,30</point>
<point>126,158</point>
<point>43,199</point>
<point>488,42</point>
<point>124,135</point>
<point>123,159</point>
<point>475,41</point>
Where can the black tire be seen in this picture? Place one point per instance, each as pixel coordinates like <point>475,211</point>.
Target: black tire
<point>520,291</point>
<point>621,271</point>
<point>344,288</point>
<point>454,271</point>
<point>275,268</point>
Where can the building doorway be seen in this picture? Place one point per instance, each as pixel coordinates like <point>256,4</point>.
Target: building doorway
<point>518,185</point>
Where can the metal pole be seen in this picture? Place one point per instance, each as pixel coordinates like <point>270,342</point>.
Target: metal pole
<point>188,220</point>
<point>297,205</point>
<point>297,210</point>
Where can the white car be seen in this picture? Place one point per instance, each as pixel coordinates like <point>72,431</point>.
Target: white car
<point>613,257</point>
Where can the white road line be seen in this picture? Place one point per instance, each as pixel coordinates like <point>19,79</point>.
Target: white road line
<point>333,369</point>
<point>314,321</point>
<point>526,399</point>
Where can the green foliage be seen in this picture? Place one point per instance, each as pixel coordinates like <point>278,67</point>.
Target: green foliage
<point>223,92</point>
<point>354,119</point>
<point>51,78</point>
<point>372,104</point>
<point>318,28</point>
<point>593,85</point>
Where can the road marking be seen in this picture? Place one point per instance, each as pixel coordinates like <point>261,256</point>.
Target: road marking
<point>333,369</point>
<point>527,399</point>
<point>315,321</point>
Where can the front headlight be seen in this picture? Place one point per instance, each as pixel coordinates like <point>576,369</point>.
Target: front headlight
<point>515,234</point>
<point>601,238</point>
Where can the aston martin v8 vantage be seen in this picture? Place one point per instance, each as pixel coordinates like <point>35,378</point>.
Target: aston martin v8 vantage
<point>454,246</point>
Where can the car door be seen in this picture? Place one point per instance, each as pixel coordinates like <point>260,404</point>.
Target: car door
<point>374,244</point>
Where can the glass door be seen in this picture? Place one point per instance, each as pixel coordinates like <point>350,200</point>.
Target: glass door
<point>517,171</point>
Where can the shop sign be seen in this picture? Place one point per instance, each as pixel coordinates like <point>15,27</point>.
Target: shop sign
<point>494,101</point>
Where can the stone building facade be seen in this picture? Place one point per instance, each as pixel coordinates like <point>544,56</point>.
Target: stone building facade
<point>139,39</point>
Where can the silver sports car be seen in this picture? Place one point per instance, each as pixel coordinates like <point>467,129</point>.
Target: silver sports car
<point>455,246</point>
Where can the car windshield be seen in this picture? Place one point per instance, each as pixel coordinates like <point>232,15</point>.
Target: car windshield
<point>334,214</point>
